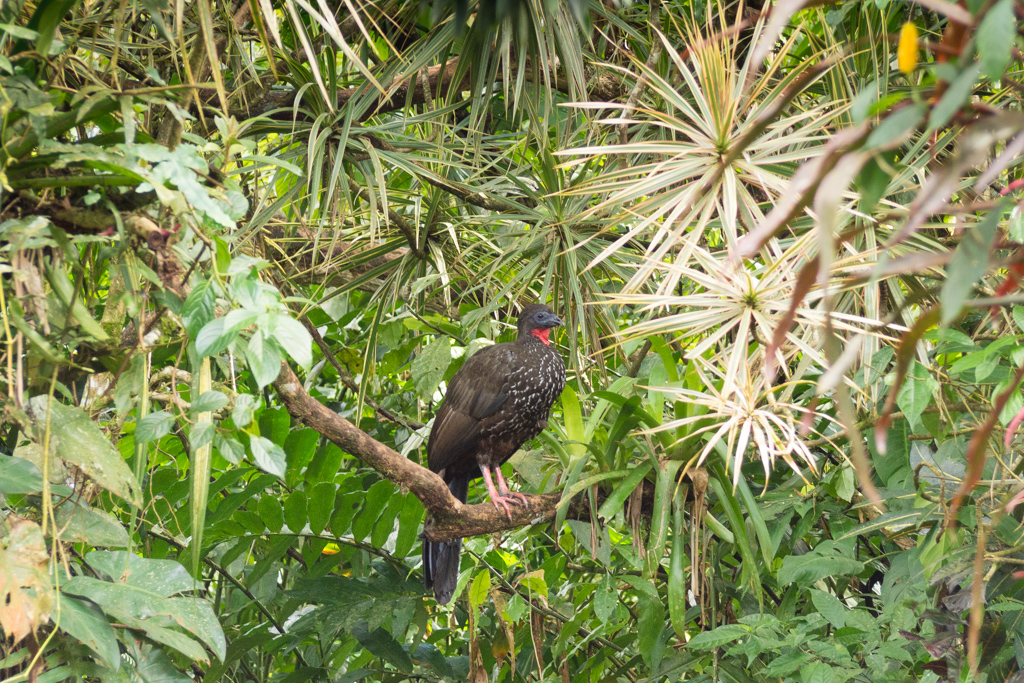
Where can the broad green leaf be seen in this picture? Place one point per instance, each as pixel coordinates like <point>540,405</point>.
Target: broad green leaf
<point>896,126</point>
<point>81,523</point>
<point>85,621</point>
<point>409,520</point>
<point>605,598</point>
<point>429,366</point>
<point>957,94</point>
<point>969,263</point>
<point>192,614</point>
<point>816,672</point>
<point>377,498</point>
<point>241,413</point>
<point>230,449</point>
<point>294,339</point>
<point>829,607</point>
<point>264,358</point>
<point>826,559</point>
<point>269,456</point>
<point>295,511</point>
<point>154,666</point>
<point>153,427</point>
<point>199,308</point>
<point>717,637</point>
<point>917,392</point>
<point>996,34</point>
<point>161,577</point>
<point>480,589</point>
<point>611,506</point>
<point>210,401</point>
<point>321,505</point>
<point>19,476</point>
<point>215,337</point>
<point>271,512</point>
<point>650,628</point>
<point>77,440</point>
<point>382,644</point>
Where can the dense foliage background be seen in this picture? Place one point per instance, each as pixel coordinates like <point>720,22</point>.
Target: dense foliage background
<point>787,242</point>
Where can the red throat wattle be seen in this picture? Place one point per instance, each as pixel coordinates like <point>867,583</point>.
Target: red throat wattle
<point>543,335</point>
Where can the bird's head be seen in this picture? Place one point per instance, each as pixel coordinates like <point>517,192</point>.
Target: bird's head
<point>537,320</point>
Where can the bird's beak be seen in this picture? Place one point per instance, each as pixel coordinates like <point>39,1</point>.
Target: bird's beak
<point>556,321</point>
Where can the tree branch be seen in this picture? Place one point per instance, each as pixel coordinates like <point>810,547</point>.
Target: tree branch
<point>449,518</point>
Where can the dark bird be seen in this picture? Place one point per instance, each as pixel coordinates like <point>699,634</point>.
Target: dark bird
<point>499,399</point>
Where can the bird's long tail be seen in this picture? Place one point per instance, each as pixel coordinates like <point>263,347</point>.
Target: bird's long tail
<point>441,560</point>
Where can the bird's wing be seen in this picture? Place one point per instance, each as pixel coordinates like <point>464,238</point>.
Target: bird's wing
<point>478,390</point>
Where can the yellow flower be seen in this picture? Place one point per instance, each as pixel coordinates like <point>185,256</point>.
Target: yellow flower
<point>906,52</point>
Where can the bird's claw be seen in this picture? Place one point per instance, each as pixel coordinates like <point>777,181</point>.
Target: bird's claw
<point>519,498</point>
<point>500,502</point>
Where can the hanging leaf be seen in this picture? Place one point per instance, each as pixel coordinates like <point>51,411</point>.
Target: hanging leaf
<point>76,439</point>
<point>26,596</point>
<point>429,366</point>
<point>968,265</point>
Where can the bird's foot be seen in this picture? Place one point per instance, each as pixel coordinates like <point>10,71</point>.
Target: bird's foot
<point>500,502</point>
<point>519,498</point>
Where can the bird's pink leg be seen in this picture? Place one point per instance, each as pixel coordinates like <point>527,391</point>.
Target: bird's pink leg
<point>498,501</point>
<point>503,489</point>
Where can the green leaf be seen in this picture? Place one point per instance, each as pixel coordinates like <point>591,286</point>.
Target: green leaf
<point>241,414</point>
<point>214,338</point>
<point>230,449</point>
<point>81,523</point>
<point>161,577</point>
<point>269,456</point>
<point>827,559</point>
<point>153,427</point>
<point>264,358</point>
<point>896,126</point>
<point>409,520</point>
<point>829,607</point>
<point>956,95</point>
<point>321,505</point>
<point>816,672</point>
<point>295,511</point>
<point>19,32</point>
<point>480,589</point>
<point>917,392</point>
<point>19,476</point>
<point>85,621</point>
<point>723,635</point>
<point>968,265</point>
<point>209,401</point>
<point>995,39</point>
<point>572,415</point>
<point>677,575</point>
<point>294,339</point>
<point>872,182</point>
<point>605,598</point>
<point>271,512</point>
<point>199,308</point>
<point>382,644</point>
<point>377,498</point>
<point>650,628</point>
<point>429,366</point>
<point>152,611</point>
<point>77,439</point>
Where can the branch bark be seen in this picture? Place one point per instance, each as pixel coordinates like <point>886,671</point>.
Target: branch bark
<point>450,518</point>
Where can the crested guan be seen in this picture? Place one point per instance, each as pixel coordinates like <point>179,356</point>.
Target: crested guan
<point>498,399</point>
